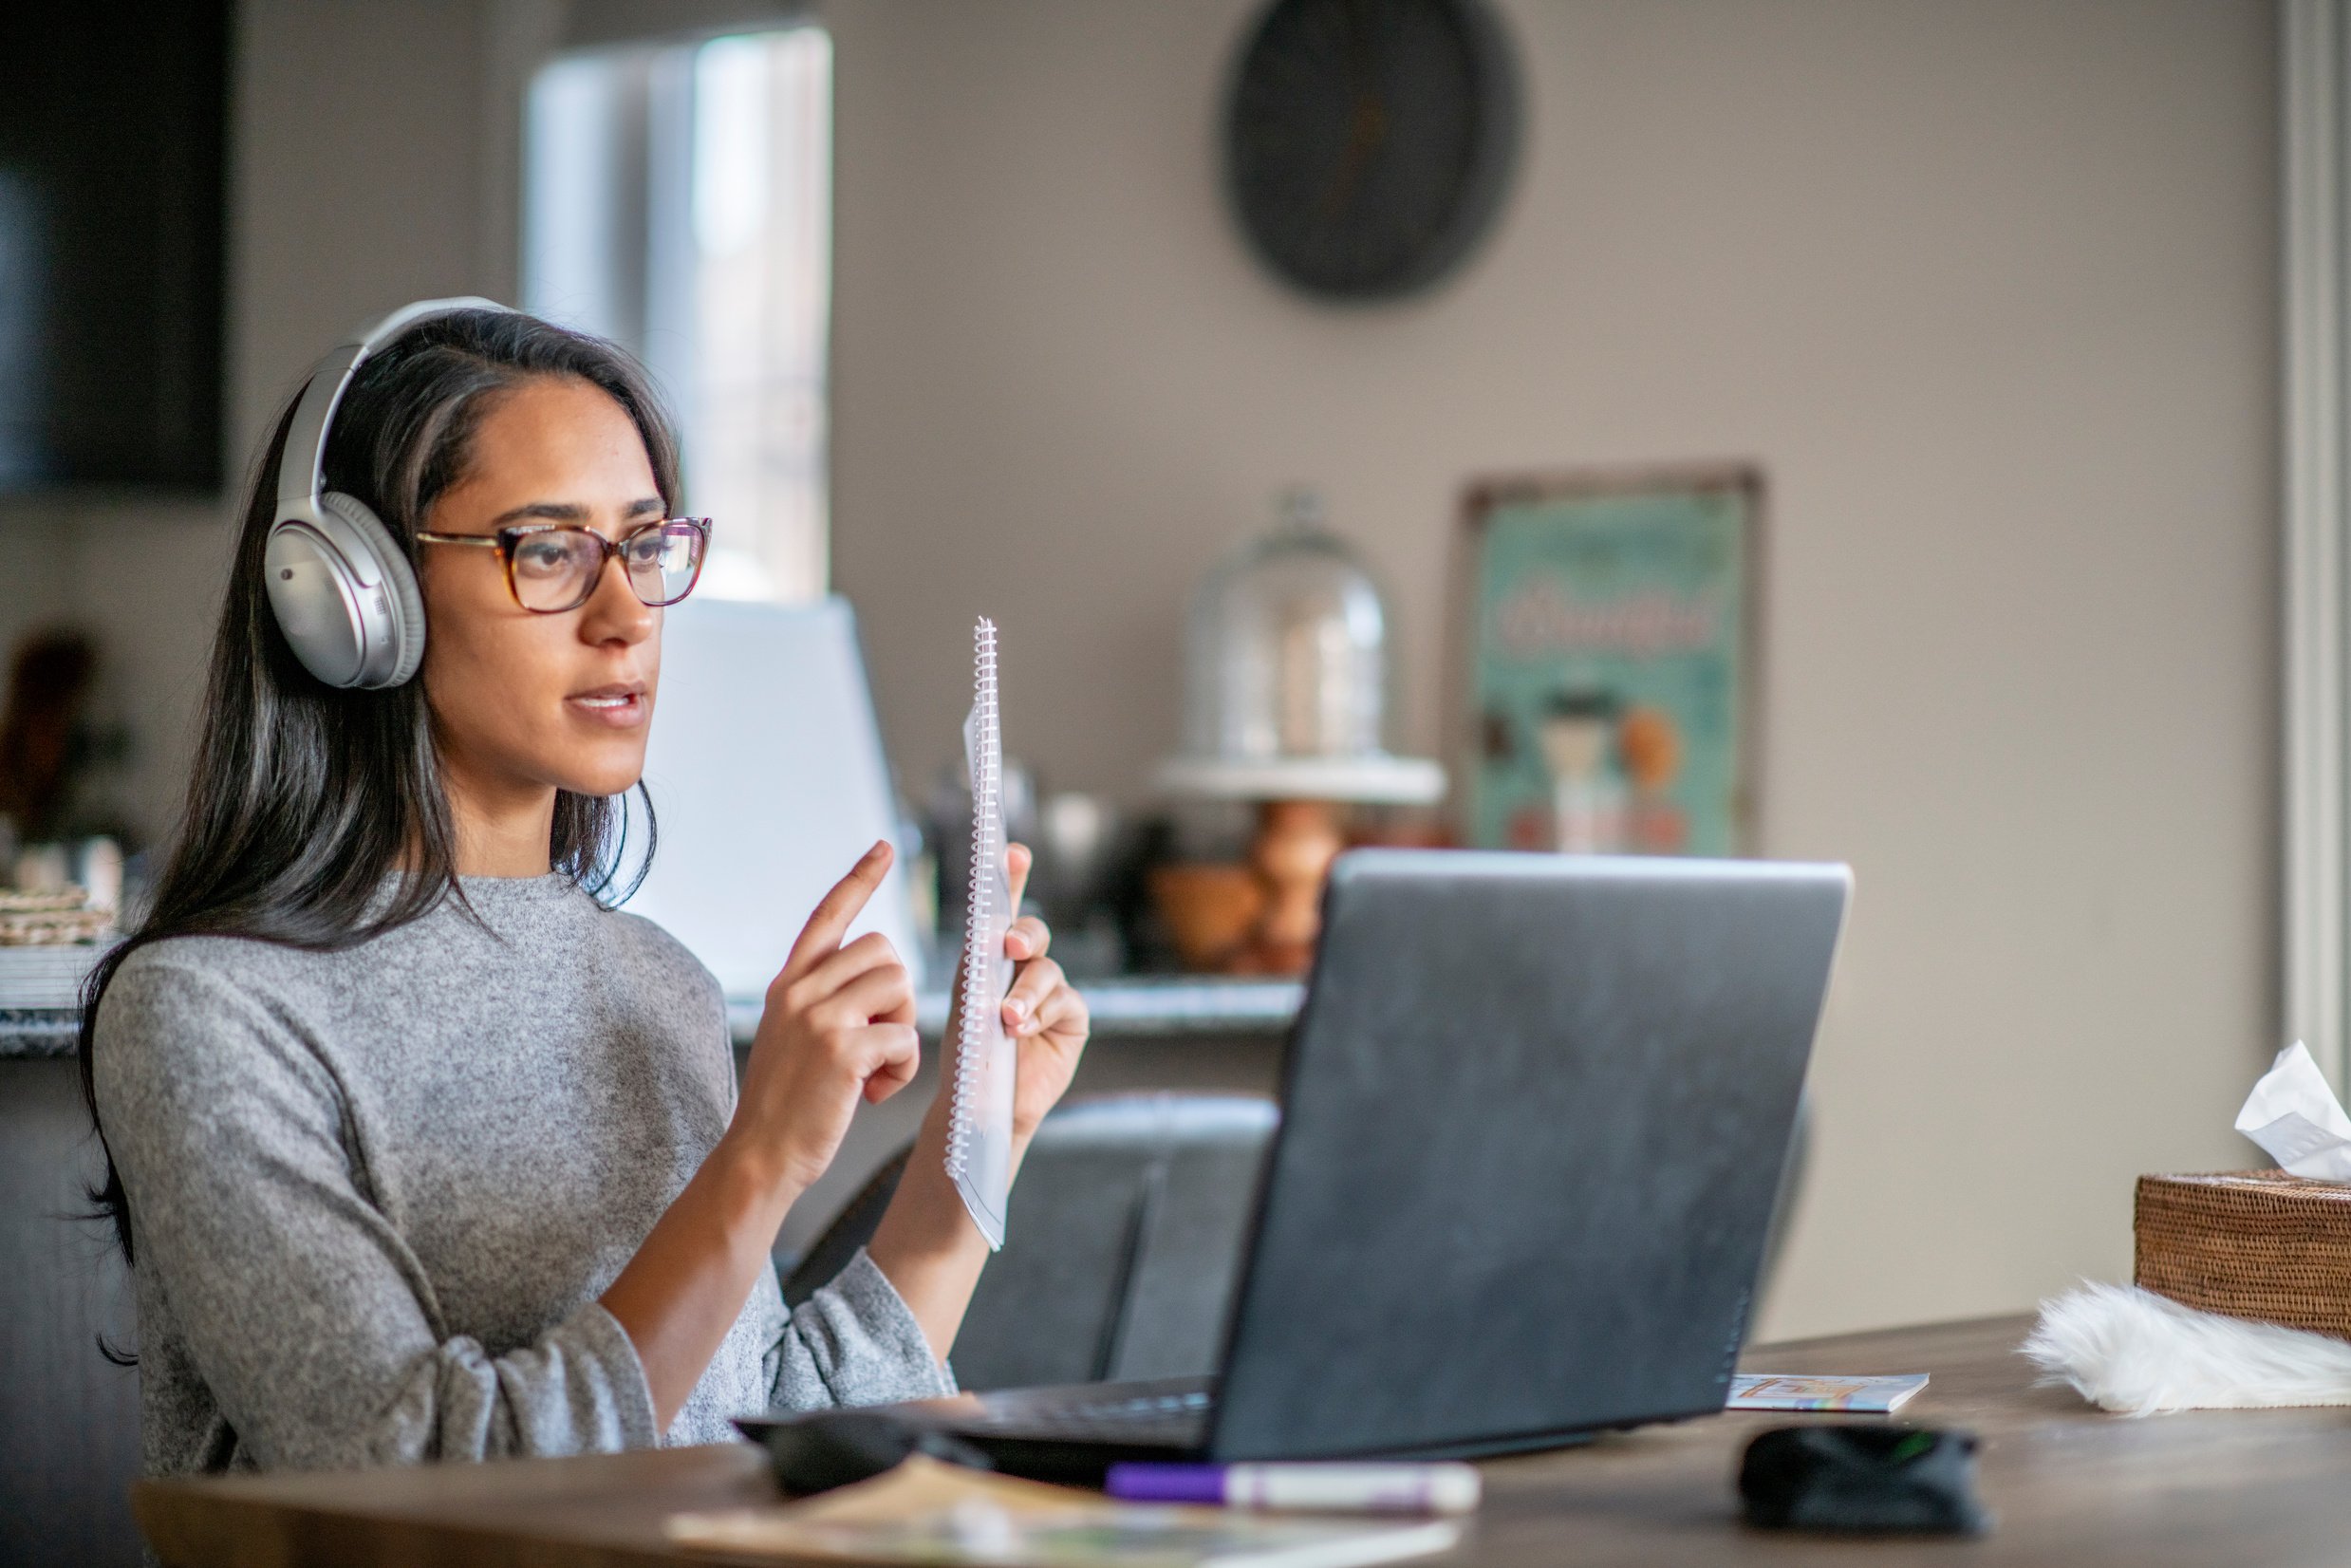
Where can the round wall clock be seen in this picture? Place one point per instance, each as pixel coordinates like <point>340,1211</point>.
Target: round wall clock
<point>1369,142</point>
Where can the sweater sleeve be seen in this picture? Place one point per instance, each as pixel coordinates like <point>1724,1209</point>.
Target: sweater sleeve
<point>855,1343</point>
<point>311,1321</point>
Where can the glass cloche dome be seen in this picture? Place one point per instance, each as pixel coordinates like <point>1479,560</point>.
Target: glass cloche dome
<point>1286,674</point>
<point>1287,651</point>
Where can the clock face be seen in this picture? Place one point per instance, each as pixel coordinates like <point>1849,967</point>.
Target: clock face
<point>1368,141</point>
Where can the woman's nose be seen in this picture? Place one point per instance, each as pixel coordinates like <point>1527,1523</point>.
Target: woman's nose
<point>613,612</point>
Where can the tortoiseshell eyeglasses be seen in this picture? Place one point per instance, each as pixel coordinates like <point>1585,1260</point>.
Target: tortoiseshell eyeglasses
<point>551,567</point>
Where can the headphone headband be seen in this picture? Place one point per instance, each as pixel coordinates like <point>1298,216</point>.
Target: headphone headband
<point>301,470</point>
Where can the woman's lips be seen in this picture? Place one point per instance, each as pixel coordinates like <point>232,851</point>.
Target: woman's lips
<point>622,707</point>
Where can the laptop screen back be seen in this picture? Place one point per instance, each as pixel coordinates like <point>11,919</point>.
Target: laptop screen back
<point>1535,1114</point>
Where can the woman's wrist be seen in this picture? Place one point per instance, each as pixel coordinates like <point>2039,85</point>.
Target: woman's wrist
<point>926,1245</point>
<point>923,1221</point>
<point>686,1285</point>
<point>754,1178</point>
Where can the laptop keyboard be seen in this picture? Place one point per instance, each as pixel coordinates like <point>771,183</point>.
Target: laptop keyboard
<point>1171,1411</point>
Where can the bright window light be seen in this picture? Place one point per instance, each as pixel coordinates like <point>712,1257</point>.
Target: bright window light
<point>679,200</point>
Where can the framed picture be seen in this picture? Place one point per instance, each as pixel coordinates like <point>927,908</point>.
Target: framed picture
<point>1606,662</point>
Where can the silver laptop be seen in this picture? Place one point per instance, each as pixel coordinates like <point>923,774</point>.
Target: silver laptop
<point>1533,1116</point>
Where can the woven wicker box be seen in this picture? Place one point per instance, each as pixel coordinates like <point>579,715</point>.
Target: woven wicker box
<point>2249,1243</point>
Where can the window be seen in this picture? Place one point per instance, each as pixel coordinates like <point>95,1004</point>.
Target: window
<point>678,199</point>
<point>2316,595</point>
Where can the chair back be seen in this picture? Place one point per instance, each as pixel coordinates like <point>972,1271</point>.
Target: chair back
<point>1121,1246</point>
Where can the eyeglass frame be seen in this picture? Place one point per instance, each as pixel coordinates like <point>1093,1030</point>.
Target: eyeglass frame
<point>505,539</point>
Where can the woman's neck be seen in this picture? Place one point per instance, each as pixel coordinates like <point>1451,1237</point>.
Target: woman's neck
<point>500,833</point>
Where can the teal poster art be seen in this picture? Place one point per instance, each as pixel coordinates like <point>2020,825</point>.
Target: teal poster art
<point>1609,628</point>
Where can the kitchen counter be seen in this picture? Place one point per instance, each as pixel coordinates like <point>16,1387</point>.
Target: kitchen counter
<point>32,1033</point>
<point>1165,1007</point>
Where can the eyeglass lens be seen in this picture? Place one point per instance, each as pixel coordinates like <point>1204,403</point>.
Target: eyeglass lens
<point>555,569</point>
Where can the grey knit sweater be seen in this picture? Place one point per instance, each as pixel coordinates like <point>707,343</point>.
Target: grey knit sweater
<point>375,1194</point>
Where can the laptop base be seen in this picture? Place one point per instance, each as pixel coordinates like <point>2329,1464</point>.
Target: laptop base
<point>1073,1433</point>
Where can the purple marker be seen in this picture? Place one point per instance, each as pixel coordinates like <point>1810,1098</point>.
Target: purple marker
<point>1447,1488</point>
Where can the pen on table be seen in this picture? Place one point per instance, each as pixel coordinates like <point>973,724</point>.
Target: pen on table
<point>1447,1488</point>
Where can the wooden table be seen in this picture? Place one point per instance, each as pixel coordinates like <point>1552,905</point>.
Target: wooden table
<point>2070,1486</point>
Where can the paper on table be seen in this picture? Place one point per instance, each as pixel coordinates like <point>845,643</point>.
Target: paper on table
<point>930,1513</point>
<point>2294,1115</point>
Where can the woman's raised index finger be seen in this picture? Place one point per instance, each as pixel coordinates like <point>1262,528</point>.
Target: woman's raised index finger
<point>830,920</point>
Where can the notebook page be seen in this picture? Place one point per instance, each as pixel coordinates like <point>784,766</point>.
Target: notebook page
<point>986,1058</point>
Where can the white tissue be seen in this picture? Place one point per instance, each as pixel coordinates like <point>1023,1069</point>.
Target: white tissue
<point>2294,1115</point>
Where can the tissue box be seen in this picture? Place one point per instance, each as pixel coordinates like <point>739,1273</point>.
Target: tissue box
<point>2249,1243</point>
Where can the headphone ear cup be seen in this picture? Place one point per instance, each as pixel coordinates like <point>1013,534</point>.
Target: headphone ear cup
<point>406,601</point>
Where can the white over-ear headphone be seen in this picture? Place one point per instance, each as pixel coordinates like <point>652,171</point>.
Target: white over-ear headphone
<point>338,583</point>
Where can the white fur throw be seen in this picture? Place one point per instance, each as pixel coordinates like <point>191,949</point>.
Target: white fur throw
<point>2130,1350</point>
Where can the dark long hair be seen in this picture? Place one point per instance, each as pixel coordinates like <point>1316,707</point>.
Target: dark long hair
<point>304,799</point>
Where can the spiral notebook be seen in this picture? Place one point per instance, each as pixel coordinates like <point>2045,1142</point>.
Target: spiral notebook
<point>986,1058</point>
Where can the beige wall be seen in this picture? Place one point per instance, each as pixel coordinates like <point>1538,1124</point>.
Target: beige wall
<point>1988,287</point>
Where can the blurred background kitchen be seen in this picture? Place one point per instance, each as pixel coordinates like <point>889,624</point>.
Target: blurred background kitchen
<point>1972,313</point>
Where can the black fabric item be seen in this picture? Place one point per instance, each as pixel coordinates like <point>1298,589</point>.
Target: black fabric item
<point>835,1447</point>
<point>1862,1478</point>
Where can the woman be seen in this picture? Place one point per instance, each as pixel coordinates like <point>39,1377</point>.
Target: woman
<point>418,1149</point>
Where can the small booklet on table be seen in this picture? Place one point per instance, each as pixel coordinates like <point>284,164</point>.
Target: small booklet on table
<point>1842,1396</point>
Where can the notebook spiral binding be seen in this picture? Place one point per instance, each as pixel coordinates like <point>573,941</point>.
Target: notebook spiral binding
<point>987,849</point>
